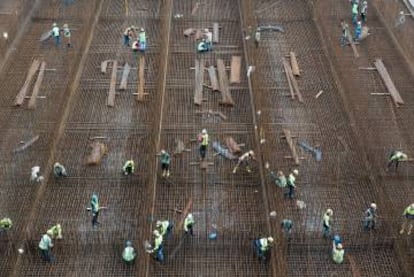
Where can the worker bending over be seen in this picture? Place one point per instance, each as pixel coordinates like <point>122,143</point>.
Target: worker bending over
<point>55,232</point>
<point>129,167</point>
<point>59,170</point>
<point>262,247</point>
<point>129,254</point>
<point>396,156</point>
<point>409,218</point>
<point>245,160</point>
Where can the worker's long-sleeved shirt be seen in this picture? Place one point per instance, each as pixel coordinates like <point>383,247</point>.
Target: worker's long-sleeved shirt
<point>370,213</point>
<point>95,204</point>
<point>66,32</point>
<point>128,254</point>
<point>157,242</point>
<point>264,244</point>
<point>188,222</point>
<point>142,37</point>
<point>409,211</point>
<point>280,179</point>
<point>291,180</point>
<point>164,227</point>
<point>130,164</point>
<point>165,158</point>
<point>398,156</point>
<point>246,157</point>
<point>6,223</point>
<point>355,8</point>
<point>204,139</point>
<point>45,242</point>
<point>55,231</point>
<point>326,220</point>
<point>364,7</point>
<point>56,31</point>
<point>338,255</point>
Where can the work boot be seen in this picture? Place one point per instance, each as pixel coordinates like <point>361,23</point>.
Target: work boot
<point>235,170</point>
<point>168,173</point>
<point>402,231</point>
<point>163,173</point>
<point>248,169</point>
<point>409,230</point>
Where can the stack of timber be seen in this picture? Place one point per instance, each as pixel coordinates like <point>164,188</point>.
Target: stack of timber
<point>111,95</point>
<point>36,88</point>
<point>289,139</point>
<point>223,151</point>
<point>227,100</point>
<point>235,70</point>
<point>382,70</point>
<point>215,32</point>
<point>23,91</point>
<point>294,64</point>
<point>124,79</point>
<point>213,78</point>
<point>98,151</point>
<point>141,78</point>
<point>199,79</point>
<point>232,145</point>
<point>293,85</point>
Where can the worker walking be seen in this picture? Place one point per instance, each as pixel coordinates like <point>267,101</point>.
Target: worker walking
<point>165,163</point>
<point>245,160</point>
<point>257,36</point>
<point>363,11</point>
<point>262,247</point>
<point>291,184</point>
<point>142,40</point>
<point>67,34</point>
<point>370,219</point>
<point>165,227</point>
<point>59,170</point>
<point>55,232</point>
<point>326,223</point>
<point>95,209</point>
<point>337,252</point>
<point>396,156</point>
<point>157,250</point>
<point>129,167</point>
<point>5,224</point>
<point>409,218</point>
<point>128,34</point>
<point>35,175</point>
<point>279,178</point>
<point>56,33</point>
<point>203,140</point>
<point>45,245</point>
<point>188,224</point>
<point>128,254</point>
<point>358,31</point>
<point>345,33</point>
<point>354,13</point>
<point>286,225</point>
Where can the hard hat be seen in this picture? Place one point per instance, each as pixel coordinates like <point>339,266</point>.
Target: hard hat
<point>339,246</point>
<point>54,24</point>
<point>204,131</point>
<point>65,25</point>
<point>329,211</point>
<point>412,206</point>
<point>162,151</point>
<point>373,205</point>
<point>190,215</point>
<point>206,30</point>
<point>270,239</point>
<point>402,12</point>
<point>296,172</point>
<point>158,224</point>
<point>251,152</point>
<point>156,233</point>
<point>133,27</point>
<point>359,22</point>
<point>142,29</point>
<point>58,225</point>
<point>128,243</point>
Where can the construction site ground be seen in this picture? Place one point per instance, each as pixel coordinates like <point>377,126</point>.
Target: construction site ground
<point>346,113</point>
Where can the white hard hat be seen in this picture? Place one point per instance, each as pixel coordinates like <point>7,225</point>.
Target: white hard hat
<point>162,151</point>
<point>373,205</point>
<point>251,152</point>
<point>402,12</point>
<point>296,172</point>
<point>156,233</point>
<point>54,24</point>
<point>142,29</point>
<point>158,224</point>
<point>270,239</point>
<point>58,225</point>
<point>190,215</point>
<point>204,131</point>
<point>206,30</point>
<point>339,246</point>
<point>412,206</point>
<point>65,25</point>
<point>359,22</point>
<point>329,211</point>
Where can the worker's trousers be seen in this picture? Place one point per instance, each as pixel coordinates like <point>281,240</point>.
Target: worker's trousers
<point>46,255</point>
<point>159,254</point>
<point>262,255</point>
<point>326,231</point>
<point>203,151</point>
<point>291,192</point>
<point>57,40</point>
<point>369,223</point>
<point>95,218</point>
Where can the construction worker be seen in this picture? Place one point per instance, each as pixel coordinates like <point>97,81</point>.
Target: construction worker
<point>129,167</point>
<point>128,34</point>
<point>286,225</point>
<point>208,38</point>
<point>165,163</point>
<point>188,224</point>
<point>67,34</point>
<point>55,232</point>
<point>157,250</point>
<point>202,46</point>
<point>354,14</point>
<point>409,217</point>
<point>56,33</point>
<point>59,170</point>
<point>95,209</point>
<point>358,31</point>
<point>257,36</point>
<point>5,224</point>
<point>345,33</point>
<point>400,19</point>
<point>35,175</point>
<point>263,246</point>
<point>142,40</point>
<point>203,140</point>
<point>326,223</point>
<point>363,11</point>
<point>337,252</point>
<point>135,48</point>
<point>280,179</point>
<point>396,157</point>
<point>370,217</point>
<point>45,245</point>
<point>165,227</point>
<point>291,184</point>
<point>245,160</point>
<point>129,254</point>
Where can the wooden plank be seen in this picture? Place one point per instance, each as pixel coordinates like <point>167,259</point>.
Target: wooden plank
<point>111,95</point>
<point>224,84</point>
<point>198,34</point>
<point>382,70</point>
<point>98,151</point>
<point>36,88</point>
<point>292,93</point>
<point>189,32</point>
<point>141,77</point>
<point>215,32</point>
<point>104,65</point>
<point>26,144</point>
<point>292,147</point>
<point>235,70</point>
<point>294,64</point>
<point>195,8</point>
<point>199,77</point>
<point>294,82</point>
<point>124,79</point>
<point>232,145</point>
<point>22,93</point>
<point>184,214</point>
<point>213,78</point>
